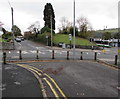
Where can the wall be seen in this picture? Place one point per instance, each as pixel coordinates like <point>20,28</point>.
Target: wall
<point>7,46</point>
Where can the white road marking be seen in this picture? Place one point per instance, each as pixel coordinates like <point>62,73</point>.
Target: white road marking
<point>43,53</point>
<point>33,51</point>
<point>64,51</point>
<point>106,59</point>
<point>24,52</point>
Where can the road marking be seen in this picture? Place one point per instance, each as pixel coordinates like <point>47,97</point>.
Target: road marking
<point>24,52</point>
<point>33,51</point>
<point>118,50</point>
<point>41,84</point>
<point>52,81</point>
<point>56,85</point>
<point>51,87</point>
<point>105,59</point>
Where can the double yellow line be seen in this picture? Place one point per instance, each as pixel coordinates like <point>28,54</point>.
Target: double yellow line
<point>40,73</point>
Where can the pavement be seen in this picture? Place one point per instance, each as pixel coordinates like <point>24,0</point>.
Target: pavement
<point>18,82</point>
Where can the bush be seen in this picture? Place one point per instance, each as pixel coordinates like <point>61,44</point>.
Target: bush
<point>46,30</point>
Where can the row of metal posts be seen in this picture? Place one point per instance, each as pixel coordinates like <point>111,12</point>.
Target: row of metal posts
<point>53,56</point>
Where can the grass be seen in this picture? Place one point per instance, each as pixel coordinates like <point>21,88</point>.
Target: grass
<point>109,30</point>
<point>64,38</point>
<point>2,40</point>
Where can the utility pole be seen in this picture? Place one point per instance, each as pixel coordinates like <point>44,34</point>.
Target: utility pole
<point>51,31</point>
<point>12,23</point>
<point>74,30</point>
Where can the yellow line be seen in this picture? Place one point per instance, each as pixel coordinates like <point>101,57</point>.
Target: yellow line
<point>34,72</point>
<point>27,66</point>
<point>51,87</point>
<point>56,85</point>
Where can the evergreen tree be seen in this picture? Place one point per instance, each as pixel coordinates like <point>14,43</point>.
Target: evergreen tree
<point>48,15</point>
<point>4,31</point>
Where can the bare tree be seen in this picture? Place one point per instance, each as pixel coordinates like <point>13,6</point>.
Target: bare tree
<point>65,24</point>
<point>35,28</point>
<point>83,24</point>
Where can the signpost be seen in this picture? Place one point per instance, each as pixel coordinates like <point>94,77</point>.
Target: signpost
<point>70,39</point>
<point>47,39</point>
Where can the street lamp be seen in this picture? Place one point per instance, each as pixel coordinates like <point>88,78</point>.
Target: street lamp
<point>74,30</point>
<point>12,22</point>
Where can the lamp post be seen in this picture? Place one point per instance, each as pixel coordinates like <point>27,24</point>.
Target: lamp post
<point>74,30</point>
<point>12,22</point>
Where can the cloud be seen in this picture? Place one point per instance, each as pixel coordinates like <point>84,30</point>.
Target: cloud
<point>26,12</point>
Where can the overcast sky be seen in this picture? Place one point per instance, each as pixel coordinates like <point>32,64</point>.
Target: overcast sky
<point>100,13</point>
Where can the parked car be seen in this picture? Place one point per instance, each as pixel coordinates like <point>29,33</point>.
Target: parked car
<point>60,44</point>
<point>22,38</point>
<point>18,39</point>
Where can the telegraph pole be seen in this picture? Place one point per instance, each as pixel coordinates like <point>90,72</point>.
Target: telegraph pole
<point>51,31</point>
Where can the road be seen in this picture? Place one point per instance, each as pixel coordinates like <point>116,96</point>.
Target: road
<point>60,77</point>
<point>74,78</point>
<point>29,50</point>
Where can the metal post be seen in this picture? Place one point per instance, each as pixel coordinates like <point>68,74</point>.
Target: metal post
<point>116,58</point>
<point>12,26</point>
<point>81,57</point>
<point>53,54</point>
<point>37,57</point>
<point>20,54</point>
<point>4,57</point>
<point>74,31</point>
<point>67,55</point>
<point>70,44</point>
<point>95,57</point>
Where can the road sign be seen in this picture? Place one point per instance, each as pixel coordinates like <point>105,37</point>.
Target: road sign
<point>118,46</point>
<point>70,37</point>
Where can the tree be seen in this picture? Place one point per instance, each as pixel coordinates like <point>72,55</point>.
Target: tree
<point>16,30</point>
<point>48,15</point>
<point>35,28</point>
<point>64,26</point>
<point>4,31</point>
<point>107,35</point>
<point>71,30</point>
<point>45,29</point>
<point>117,36</point>
<point>83,24</point>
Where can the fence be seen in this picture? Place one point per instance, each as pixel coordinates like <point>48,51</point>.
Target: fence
<point>59,54</point>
